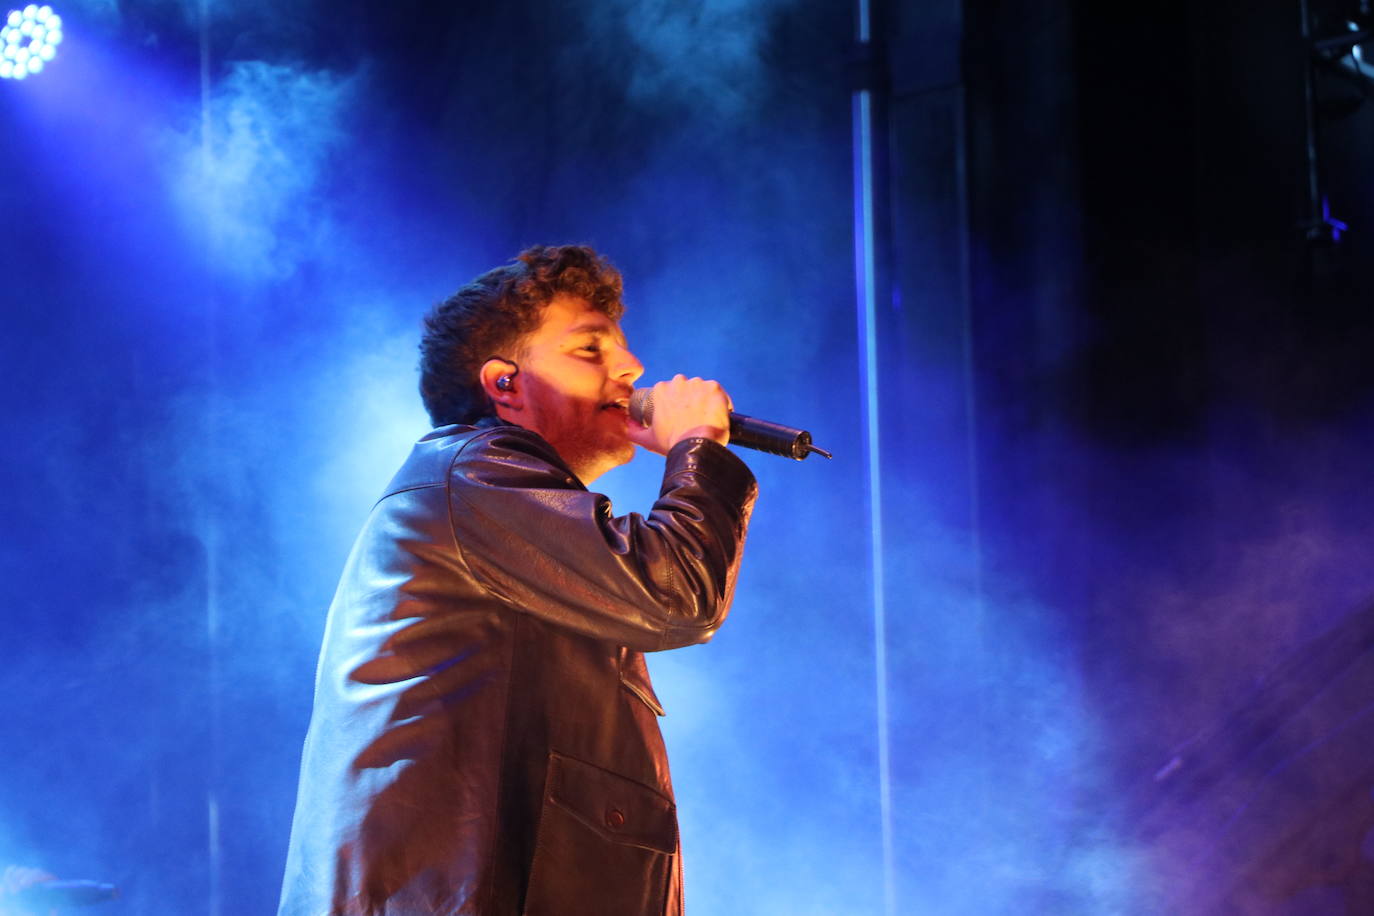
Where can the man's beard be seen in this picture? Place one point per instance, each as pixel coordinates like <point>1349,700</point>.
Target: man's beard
<point>588,441</point>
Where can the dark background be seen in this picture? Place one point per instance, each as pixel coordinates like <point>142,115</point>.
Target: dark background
<point>1103,648</point>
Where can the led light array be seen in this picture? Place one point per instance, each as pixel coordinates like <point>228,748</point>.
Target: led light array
<point>28,40</point>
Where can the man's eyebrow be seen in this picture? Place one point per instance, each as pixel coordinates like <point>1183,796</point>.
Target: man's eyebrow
<point>597,328</point>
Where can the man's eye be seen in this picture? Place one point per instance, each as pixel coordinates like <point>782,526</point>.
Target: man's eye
<point>590,348</point>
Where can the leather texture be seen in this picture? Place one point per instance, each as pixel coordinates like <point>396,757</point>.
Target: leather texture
<point>484,737</point>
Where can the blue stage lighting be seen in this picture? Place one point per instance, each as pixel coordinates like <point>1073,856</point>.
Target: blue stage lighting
<point>28,41</point>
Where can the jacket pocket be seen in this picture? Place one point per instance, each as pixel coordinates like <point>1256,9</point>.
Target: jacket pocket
<point>606,844</point>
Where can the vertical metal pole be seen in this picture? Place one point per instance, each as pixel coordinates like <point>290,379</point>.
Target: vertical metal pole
<point>1315,215</point>
<point>865,265</point>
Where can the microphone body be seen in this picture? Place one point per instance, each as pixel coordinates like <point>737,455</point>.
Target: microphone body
<point>746,432</point>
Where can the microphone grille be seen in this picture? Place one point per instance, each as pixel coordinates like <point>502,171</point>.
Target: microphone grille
<point>642,406</point>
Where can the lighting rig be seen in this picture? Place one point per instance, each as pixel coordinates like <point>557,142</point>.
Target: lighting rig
<point>28,41</point>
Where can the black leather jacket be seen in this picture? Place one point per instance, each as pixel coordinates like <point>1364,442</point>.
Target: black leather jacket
<point>484,737</point>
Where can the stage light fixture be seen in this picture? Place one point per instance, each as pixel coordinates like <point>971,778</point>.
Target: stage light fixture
<point>28,41</point>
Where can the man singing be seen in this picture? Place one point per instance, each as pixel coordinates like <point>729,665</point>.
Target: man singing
<point>484,738</point>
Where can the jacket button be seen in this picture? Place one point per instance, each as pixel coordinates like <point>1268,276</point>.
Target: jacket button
<point>615,818</point>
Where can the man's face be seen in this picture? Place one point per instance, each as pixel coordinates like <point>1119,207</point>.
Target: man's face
<point>576,377</point>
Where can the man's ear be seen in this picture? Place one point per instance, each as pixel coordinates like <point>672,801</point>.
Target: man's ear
<point>500,383</point>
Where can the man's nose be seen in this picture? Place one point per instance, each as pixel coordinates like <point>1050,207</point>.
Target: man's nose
<point>628,368</point>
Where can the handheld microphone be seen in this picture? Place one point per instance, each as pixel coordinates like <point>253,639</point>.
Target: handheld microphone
<point>747,432</point>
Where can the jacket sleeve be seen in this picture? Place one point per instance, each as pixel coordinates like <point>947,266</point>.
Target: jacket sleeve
<point>535,538</point>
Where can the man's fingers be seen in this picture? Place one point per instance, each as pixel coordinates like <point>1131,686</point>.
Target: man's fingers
<point>686,407</point>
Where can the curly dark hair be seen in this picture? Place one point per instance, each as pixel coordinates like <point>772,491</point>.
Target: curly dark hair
<point>491,316</point>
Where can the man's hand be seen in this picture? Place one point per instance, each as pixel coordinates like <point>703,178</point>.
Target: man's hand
<point>685,408</point>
